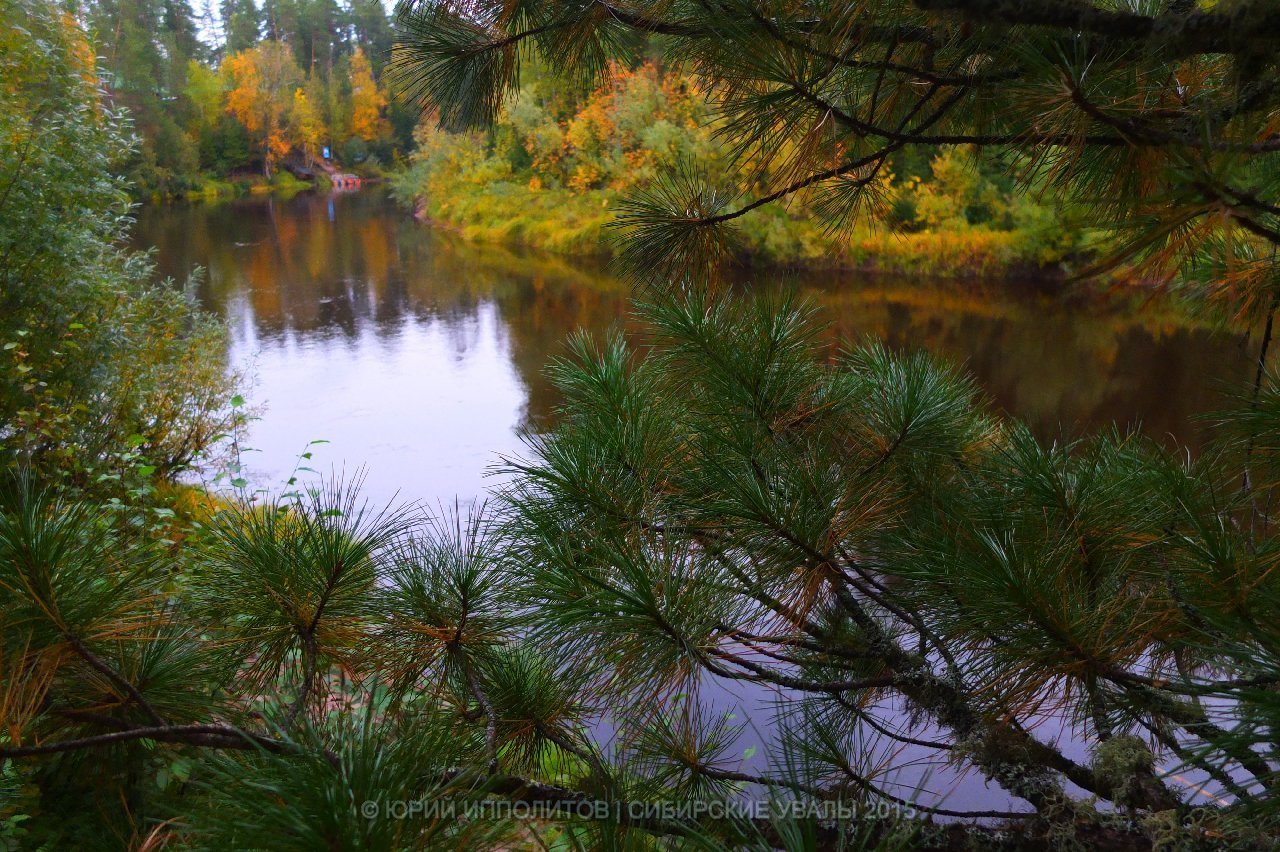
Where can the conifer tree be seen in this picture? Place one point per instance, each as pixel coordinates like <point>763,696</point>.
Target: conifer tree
<point>241,23</point>
<point>145,47</point>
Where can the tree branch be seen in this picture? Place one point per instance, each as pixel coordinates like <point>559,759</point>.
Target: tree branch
<point>219,736</point>
<point>115,677</point>
<point>1246,26</point>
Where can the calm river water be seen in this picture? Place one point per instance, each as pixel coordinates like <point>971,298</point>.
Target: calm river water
<point>419,357</point>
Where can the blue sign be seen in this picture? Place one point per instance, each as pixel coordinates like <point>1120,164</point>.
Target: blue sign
<point>324,152</point>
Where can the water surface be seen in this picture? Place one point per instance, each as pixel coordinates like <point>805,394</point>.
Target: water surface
<point>419,357</point>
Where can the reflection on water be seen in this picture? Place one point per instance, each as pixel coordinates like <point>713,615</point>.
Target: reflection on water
<point>419,357</point>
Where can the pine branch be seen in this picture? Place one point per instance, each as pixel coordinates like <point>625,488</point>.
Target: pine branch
<point>857,37</point>
<point>486,706</point>
<point>1130,133</point>
<point>762,674</point>
<point>1248,24</point>
<point>309,656</point>
<point>1170,742</point>
<point>875,725</point>
<point>793,642</point>
<point>115,677</point>
<point>217,736</point>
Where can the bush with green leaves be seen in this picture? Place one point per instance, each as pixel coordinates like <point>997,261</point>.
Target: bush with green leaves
<point>103,373</point>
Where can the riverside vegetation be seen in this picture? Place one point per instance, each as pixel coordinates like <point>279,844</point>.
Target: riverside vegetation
<point>726,499</point>
<point>556,164</point>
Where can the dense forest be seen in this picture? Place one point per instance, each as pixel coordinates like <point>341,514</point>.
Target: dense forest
<point>240,89</point>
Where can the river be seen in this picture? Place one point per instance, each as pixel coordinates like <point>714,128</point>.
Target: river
<point>418,358</point>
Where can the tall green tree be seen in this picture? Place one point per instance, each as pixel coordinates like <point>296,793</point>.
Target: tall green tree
<point>146,46</point>
<point>314,29</point>
<point>372,29</point>
<point>241,23</point>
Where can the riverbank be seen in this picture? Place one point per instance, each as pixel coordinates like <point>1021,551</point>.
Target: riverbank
<point>581,224</point>
<point>283,184</point>
<point>554,173</point>
<point>212,188</point>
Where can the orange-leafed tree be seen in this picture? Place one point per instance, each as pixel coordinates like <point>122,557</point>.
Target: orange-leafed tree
<point>260,93</point>
<point>368,102</point>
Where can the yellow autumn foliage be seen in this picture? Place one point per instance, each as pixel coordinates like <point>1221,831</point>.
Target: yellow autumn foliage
<point>554,169</point>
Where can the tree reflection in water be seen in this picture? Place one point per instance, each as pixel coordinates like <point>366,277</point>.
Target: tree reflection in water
<point>420,356</point>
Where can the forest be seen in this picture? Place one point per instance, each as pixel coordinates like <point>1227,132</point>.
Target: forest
<point>245,91</point>
<point>747,582</point>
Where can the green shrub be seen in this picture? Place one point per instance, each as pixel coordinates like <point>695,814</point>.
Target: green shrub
<point>101,370</point>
